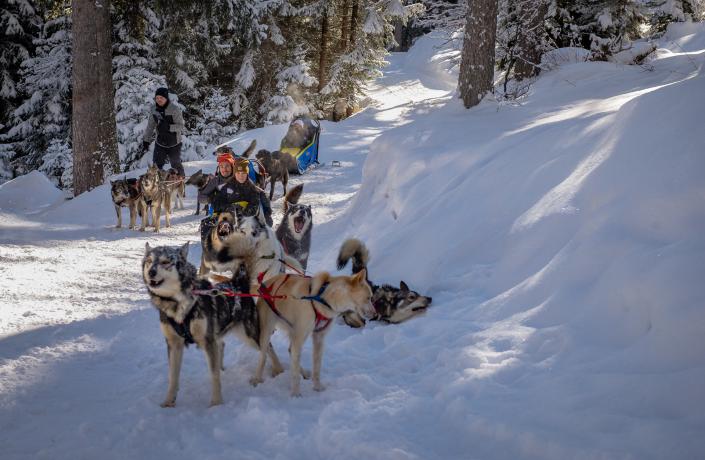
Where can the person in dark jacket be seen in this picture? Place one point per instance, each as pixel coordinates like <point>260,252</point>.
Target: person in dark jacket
<point>165,124</point>
<point>230,187</point>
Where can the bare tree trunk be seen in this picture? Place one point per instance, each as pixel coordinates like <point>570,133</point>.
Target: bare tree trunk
<point>529,49</point>
<point>323,56</point>
<point>344,25</point>
<point>93,118</point>
<point>353,22</point>
<point>477,61</point>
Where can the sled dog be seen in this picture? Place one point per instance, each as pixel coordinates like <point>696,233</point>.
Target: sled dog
<point>175,186</point>
<point>187,315</point>
<point>213,251</point>
<point>392,304</point>
<point>276,170</point>
<point>154,193</point>
<point>126,193</point>
<point>305,306</point>
<point>199,180</point>
<point>294,231</point>
<point>270,256</point>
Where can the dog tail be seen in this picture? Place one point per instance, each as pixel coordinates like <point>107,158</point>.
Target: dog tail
<point>250,149</point>
<point>357,251</point>
<point>293,195</point>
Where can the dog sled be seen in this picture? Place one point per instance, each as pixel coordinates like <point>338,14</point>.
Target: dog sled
<point>301,142</point>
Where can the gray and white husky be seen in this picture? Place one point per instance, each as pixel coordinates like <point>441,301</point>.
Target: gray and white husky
<point>392,304</point>
<point>155,195</point>
<point>126,193</point>
<point>191,310</point>
<point>294,231</point>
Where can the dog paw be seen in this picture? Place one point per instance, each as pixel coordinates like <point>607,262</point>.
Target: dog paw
<point>168,403</point>
<point>216,402</point>
<point>319,386</point>
<point>295,393</point>
<point>306,374</point>
<point>254,381</point>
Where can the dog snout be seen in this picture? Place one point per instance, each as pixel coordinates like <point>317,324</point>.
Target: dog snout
<point>152,272</point>
<point>430,299</point>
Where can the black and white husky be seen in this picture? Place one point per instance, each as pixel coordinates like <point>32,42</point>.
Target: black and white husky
<point>193,310</point>
<point>392,304</point>
<point>294,231</point>
<point>126,193</point>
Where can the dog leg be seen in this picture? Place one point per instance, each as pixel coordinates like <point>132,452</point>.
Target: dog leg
<point>119,216</point>
<point>212,351</point>
<point>175,353</point>
<point>276,364</point>
<point>265,335</point>
<point>271,187</point>
<point>167,209</point>
<point>203,270</point>
<point>317,359</point>
<point>222,354</point>
<point>156,211</point>
<point>133,216</point>
<point>297,344</point>
<point>143,215</point>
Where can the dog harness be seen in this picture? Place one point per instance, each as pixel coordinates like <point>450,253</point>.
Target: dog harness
<point>265,292</point>
<point>183,329</point>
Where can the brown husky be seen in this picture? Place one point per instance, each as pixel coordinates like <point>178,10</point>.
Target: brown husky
<point>305,306</point>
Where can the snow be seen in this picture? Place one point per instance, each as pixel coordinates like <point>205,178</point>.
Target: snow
<point>562,240</point>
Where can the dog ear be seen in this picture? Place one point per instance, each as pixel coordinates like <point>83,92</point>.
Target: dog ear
<point>360,277</point>
<point>147,248</point>
<point>403,286</point>
<point>184,250</point>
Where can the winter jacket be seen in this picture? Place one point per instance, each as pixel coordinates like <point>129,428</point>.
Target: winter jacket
<point>165,123</point>
<point>223,193</point>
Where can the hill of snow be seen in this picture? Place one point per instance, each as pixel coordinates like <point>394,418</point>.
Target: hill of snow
<point>562,239</point>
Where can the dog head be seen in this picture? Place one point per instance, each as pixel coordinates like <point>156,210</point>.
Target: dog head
<point>150,180</point>
<point>120,191</point>
<point>252,226</point>
<point>299,218</point>
<point>346,293</point>
<point>395,305</point>
<point>166,271</point>
<point>226,224</point>
<point>198,179</point>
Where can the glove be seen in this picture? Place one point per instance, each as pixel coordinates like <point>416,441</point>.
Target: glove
<point>145,146</point>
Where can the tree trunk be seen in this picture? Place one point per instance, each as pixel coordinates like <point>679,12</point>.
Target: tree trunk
<point>344,25</point>
<point>323,56</point>
<point>93,119</point>
<point>529,50</point>
<point>353,23</point>
<point>477,61</point>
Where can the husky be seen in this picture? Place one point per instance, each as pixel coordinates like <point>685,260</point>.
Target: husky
<point>271,258</point>
<point>212,244</point>
<point>126,193</point>
<point>199,180</point>
<point>305,306</point>
<point>294,231</point>
<point>175,186</point>
<point>190,312</point>
<point>154,193</point>
<point>392,305</point>
<point>276,170</point>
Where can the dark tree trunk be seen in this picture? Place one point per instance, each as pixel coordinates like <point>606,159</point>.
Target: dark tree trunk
<point>529,50</point>
<point>95,151</point>
<point>353,22</point>
<point>344,25</point>
<point>323,56</point>
<point>477,61</point>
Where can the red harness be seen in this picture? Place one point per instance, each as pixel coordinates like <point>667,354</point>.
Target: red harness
<point>265,292</point>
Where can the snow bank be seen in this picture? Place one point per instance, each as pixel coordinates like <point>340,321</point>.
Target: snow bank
<point>29,194</point>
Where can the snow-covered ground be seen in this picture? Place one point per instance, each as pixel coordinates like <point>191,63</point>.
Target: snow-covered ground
<point>562,240</point>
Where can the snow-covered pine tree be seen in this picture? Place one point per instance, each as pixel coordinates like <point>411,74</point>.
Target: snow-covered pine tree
<point>662,12</point>
<point>135,75</point>
<point>371,32</point>
<point>293,96</point>
<point>45,116</point>
<point>19,26</point>
<point>213,121</point>
<point>446,15</point>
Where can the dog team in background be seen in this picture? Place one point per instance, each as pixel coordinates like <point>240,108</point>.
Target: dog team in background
<point>266,287</point>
